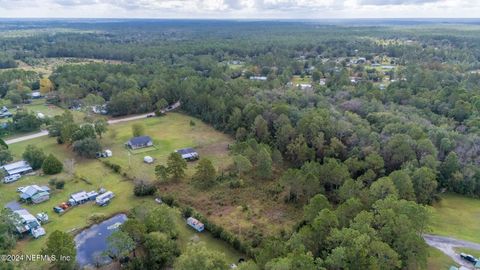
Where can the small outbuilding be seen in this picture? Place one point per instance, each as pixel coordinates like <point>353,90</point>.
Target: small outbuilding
<point>188,154</point>
<point>148,159</point>
<point>36,95</point>
<point>139,142</point>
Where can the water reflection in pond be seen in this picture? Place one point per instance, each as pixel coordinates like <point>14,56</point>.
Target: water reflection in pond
<point>92,242</point>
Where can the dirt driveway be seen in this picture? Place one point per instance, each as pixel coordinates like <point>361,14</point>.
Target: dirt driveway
<point>447,245</point>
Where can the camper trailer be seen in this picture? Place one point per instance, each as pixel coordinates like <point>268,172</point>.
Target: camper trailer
<point>104,198</point>
<point>196,224</point>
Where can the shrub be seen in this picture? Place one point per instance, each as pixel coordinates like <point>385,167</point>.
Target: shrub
<point>60,184</point>
<point>97,218</point>
<point>52,181</point>
<point>115,167</point>
<point>51,165</point>
<point>236,183</point>
<point>34,156</point>
<point>143,188</point>
<point>169,200</point>
<point>88,147</point>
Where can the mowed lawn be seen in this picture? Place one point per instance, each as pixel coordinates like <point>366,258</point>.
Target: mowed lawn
<point>457,216</point>
<point>168,133</point>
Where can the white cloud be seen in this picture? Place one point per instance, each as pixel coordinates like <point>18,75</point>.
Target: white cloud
<point>304,9</point>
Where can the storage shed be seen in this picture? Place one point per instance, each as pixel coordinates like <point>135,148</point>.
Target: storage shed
<point>148,159</point>
<point>188,153</point>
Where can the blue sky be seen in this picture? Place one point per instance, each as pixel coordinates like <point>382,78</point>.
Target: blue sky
<point>285,9</point>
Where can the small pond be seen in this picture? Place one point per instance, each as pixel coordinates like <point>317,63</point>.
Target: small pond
<point>92,242</point>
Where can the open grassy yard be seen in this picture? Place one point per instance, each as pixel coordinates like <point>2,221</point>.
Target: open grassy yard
<point>170,132</point>
<point>39,106</point>
<point>437,260</point>
<point>297,79</point>
<point>457,216</point>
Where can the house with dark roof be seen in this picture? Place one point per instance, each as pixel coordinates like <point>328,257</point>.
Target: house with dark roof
<point>188,153</point>
<point>139,142</point>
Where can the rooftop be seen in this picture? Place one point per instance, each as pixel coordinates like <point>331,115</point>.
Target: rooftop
<point>17,167</point>
<point>140,140</point>
<point>185,151</point>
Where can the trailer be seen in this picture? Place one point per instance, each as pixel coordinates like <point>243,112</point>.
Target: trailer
<point>104,198</point>
<point>196,224</point>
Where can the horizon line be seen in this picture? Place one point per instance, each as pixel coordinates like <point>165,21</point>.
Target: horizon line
<point>240,18</point>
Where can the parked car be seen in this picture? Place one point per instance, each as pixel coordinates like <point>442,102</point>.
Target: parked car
<point>11,178</point>
<point>20,189</point>
<point>64,206</point>
<point>158,200</point>
<point>468,257</point>
<point>150,115</point>
<point>58,210</point>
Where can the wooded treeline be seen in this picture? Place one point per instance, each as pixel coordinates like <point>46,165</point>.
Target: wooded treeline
<point>361,160</point>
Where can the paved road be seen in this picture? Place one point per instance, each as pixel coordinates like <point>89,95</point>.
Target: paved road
<point>447,245</point>
<point>45,133</point>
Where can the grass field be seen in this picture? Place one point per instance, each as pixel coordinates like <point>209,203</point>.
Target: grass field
<point>45,66</point>
<point>242,210</point>
<point>297,79</point>
<point>457,216</point>
<point>169,132</point>
<point>39,106</point>
<point>437,260</point>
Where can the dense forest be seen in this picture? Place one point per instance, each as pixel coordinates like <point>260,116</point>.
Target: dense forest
<point>361,157</point>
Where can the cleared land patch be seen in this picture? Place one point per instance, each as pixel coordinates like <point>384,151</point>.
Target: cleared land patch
<point>457,216</point>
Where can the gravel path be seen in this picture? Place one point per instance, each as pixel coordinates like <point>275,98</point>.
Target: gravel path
<point>447,245</point>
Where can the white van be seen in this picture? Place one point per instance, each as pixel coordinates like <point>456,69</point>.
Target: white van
<point>11,178</point>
